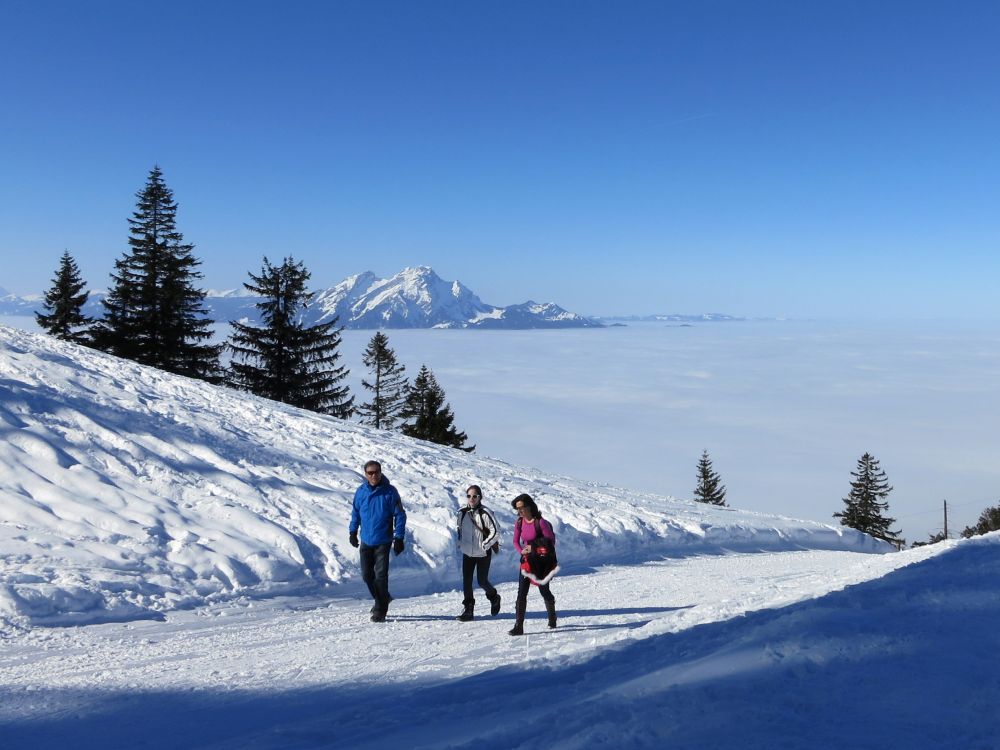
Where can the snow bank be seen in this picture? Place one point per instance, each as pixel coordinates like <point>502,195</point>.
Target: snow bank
<point>126,492</point>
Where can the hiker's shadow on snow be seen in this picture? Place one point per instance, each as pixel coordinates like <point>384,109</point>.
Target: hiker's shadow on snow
<point>540,615</point>
<point>563,613</point>
<point>422,618</point>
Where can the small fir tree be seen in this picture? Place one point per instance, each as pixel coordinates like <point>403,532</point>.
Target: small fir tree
<point>428,417</point>
<point>866,505</point>
<point>388,384</point>
<point>931,539</point>
<point>283,359</point>
<point>989,520</point>
<point>154,314</point>
<point>64,304</point>
<point>710,488</point>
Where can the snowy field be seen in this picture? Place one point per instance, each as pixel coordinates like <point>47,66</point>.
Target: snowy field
<point>126,492</point>
<point>193,540</point>
<point>785,408</point>
<point>766,650</point>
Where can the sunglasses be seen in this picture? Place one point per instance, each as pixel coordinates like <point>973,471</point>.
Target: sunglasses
<point>478,497</point>
<point>372,472</point>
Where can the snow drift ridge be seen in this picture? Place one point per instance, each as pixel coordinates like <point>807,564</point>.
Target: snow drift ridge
<point>126,492</point>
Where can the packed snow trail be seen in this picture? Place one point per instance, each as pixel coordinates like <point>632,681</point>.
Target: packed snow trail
<point>127,492</point>
<point>768,648</point>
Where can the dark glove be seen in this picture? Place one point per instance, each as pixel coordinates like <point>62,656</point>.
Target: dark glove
<point>397,545</point>
<point>353,538</point>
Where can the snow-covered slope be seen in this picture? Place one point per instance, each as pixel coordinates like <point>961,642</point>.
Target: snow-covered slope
<point>126,492</point>
<point>419,298</point>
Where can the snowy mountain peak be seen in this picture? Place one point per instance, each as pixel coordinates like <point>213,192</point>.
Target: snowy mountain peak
<point>417,297</point>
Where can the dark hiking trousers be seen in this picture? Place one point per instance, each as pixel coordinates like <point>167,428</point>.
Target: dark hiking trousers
<point>481,565</point>
<point>525,585</point>
<point>375,572</point>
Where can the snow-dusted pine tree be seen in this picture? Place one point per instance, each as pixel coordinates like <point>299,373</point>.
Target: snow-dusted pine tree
<point>283,359</point>
<point>710,488</point>
<point>989,520</point>
<point>428,417</point>
<point>64,303</point>
<point>388,384</point>
<point>866,503</point>
<point>153,313</point>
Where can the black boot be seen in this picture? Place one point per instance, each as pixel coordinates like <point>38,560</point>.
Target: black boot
<point>519,609</point>
<point>466,615</point>
<point>495,605</point>
<point>550,607</point>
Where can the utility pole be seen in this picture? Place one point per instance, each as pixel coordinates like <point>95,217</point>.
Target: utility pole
<point>945,518</point>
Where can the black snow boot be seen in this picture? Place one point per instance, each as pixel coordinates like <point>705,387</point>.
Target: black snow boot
<point>518,628</point>
<point>495,605</point>
<point>550,607</point>
<point>466,615</point>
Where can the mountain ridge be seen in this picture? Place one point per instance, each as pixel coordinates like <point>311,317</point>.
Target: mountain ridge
<point>416,297</point>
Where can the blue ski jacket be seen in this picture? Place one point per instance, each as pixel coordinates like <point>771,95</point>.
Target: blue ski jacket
<point>379,512</point>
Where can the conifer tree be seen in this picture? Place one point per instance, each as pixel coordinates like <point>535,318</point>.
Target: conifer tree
<point>154,314</point>
<point>388,384</point>
<point>428,417</point>
<point>64,303</point>
<point>989,520</point>
<point>710,488</point>
<point>866,503</point>
<point>283,359</point>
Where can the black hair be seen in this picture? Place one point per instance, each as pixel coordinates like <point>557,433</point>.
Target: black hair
<point>526,499</point>
<point>476,487</point>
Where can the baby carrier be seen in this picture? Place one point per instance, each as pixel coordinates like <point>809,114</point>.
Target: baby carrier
<point>540,564</point>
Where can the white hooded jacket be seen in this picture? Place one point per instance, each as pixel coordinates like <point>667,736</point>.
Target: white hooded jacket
<point>477,530</point>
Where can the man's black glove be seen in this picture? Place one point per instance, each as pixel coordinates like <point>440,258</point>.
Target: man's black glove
<point>353,539</point>
<point>397,545</point>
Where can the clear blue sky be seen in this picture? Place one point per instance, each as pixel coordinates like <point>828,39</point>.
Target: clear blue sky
<point>759,158</point>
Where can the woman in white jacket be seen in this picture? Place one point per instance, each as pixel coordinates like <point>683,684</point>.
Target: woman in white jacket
<point>478,538</point>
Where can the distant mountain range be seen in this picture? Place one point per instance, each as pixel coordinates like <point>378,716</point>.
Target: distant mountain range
<point>671,318</point>
<point>413,298</point>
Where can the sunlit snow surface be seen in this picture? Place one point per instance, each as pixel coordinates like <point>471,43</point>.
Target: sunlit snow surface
<point>207,529</point>
<point>126,492</point>
<point>758,650</point>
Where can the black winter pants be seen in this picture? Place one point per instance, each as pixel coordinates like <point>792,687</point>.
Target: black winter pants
<point>482,567</point>
<point>375,572</point>
<point>525,585</point>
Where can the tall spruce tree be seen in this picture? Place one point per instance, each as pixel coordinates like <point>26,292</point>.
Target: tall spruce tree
<point>866,504</point>
<point>710,488</point>
<point>283,359</point>
<point>388,384</point>
<point>154,314</point>
<point>64,304</point>
<point>428,417</point>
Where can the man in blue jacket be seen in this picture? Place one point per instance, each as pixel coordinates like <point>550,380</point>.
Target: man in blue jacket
<point>379,512</point>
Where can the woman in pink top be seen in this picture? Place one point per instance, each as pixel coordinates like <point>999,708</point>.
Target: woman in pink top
<point>535,542</point>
